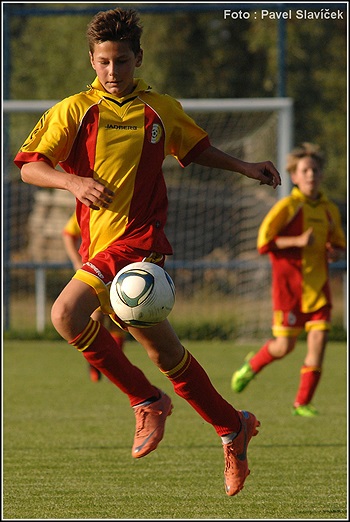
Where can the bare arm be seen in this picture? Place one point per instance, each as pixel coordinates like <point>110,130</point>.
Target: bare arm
<point>265,172</point>
<point>305,239</point>
<point>89,191</point>
<point>71,245</point>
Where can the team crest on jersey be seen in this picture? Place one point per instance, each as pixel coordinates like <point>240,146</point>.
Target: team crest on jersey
<point>154,133</point>
<point>291,319</point>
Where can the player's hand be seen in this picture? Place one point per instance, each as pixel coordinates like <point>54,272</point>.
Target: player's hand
<point>307,238</point>
<point>265,172</point>
<point>333,254</point>
<point>271,176</point>
<point>91,192</point>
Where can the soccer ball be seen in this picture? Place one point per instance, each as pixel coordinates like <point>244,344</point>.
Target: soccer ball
<point>142,294</point>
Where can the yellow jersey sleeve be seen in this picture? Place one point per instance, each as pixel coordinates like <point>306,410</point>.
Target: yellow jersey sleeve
<point>72,228</point>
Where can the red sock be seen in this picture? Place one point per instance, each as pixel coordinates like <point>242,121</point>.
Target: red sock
<point>261,359</point>
<point>191,382</point>
<point>99,349</point>
<point>309,378</point>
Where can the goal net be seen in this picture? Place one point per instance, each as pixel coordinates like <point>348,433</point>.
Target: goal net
<point>222,284</point>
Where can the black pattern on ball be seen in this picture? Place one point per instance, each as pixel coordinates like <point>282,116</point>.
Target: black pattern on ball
<point>148,281</point>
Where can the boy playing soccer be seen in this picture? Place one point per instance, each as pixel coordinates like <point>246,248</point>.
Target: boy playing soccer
<point>301,233</point>
<point>111,141</point>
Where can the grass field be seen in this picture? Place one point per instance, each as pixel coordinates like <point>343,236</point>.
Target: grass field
<point>67,442</point>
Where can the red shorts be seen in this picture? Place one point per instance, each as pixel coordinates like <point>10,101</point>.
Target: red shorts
<point>291,324</point>
<point>100,270</point>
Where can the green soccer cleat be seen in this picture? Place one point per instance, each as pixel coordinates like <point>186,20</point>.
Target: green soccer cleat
<point>242,377</point>
<point>305,410</point>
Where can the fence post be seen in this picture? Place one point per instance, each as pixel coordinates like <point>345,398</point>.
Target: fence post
<point>40,298</point>
<point>345,300</point>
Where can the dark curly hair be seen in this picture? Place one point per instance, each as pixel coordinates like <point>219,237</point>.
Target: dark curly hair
<point>115,25</point>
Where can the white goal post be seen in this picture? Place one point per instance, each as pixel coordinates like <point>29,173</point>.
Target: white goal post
<point>222,284</point>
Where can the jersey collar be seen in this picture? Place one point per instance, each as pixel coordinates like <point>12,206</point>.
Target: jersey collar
<point>296,193</point>
<point>140,87</point>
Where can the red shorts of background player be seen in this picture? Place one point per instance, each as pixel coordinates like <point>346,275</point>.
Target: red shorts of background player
<point>292,323</point>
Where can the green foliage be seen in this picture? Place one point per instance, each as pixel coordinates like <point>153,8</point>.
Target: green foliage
<point>317,82</point>
<point>49,57</point>
<point>202,55</point>
<point>67,442</point>
<point>203,58</point>
<point>202,330</point>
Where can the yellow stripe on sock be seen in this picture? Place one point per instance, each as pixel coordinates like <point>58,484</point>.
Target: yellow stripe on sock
<point>87,336</point>
<point>307,369</point>
<point>181,367</point>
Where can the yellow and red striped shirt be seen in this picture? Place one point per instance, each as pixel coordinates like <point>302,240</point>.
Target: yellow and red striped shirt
<point>122,142</point>
<point>300,275</point>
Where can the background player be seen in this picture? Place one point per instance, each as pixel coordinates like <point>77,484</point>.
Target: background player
<point>301,233</point>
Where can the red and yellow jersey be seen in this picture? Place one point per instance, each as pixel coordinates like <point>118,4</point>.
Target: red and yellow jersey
<point>300,275</point>
<point>72,228</point>
<point>121,142</point>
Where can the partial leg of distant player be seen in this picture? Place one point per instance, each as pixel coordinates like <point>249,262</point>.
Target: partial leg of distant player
<point>316,325</point>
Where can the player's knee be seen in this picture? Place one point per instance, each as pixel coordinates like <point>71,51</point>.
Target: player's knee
<point>60,314</point>
<point>283,346</point>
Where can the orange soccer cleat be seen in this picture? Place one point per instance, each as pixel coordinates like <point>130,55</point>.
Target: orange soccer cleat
<point>150,424</point>
<point>236,463</point>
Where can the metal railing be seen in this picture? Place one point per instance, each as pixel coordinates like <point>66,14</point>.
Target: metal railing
<point>40,269</point>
